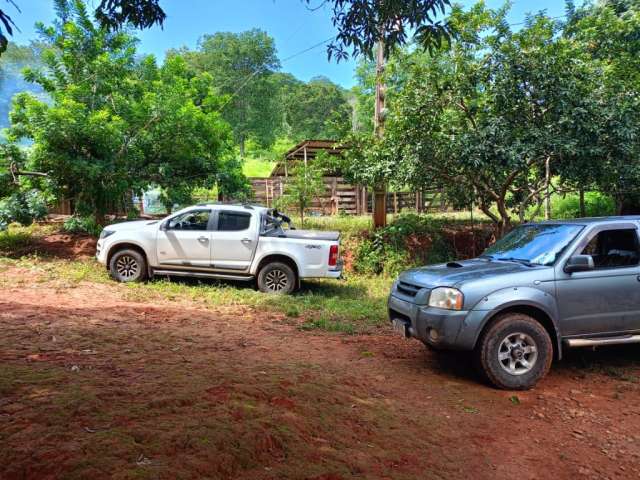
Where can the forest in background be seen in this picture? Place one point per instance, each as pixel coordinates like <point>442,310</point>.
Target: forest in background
<point>501,118</point>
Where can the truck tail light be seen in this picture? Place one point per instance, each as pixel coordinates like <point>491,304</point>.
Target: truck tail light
<point>333,256</point>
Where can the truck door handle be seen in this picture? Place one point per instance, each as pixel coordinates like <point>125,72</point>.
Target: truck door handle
<point>246,240</point>
<point>203,239</point>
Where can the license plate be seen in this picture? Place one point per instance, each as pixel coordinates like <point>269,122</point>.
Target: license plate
<point>401,327</point>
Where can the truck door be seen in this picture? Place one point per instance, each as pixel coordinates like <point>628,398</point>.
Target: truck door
<point>234,240</point>
<point>606,299</point>
<point>185,240</point>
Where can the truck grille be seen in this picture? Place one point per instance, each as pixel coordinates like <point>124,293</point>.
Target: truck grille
<point>408,289</point>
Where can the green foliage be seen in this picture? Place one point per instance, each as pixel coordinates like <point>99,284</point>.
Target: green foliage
<point>116,124</point>
<point>241,65</point>
<point>389,250</point>
<point>78,224</point>
<point>14,239</point>
<point>482,118</point>
<point>305,184</point>
<point>23,208</point>
<point>607,33</point>
<point>361,23</point>
<point>317,109</point>
<point>596,205</point>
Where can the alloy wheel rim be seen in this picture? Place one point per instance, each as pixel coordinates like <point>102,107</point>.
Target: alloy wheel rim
<point>518,353</point>
<point>127,267</point>
<point>276,280</point>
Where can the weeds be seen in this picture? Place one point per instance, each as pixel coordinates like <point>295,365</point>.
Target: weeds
<point>353,305</point>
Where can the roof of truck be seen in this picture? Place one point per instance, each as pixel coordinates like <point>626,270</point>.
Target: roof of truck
<point>589,220</point>
<point>231,206</point>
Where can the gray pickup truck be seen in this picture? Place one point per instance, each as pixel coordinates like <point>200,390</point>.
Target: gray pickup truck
<point>541,288</point>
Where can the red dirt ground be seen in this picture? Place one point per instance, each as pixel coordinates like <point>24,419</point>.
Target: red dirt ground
<point>96,386</point>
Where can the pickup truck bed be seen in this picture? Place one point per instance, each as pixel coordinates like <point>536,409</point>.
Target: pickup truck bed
<point>310,235</point>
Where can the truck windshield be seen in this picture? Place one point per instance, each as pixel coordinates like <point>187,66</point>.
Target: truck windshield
<point>533,244</point>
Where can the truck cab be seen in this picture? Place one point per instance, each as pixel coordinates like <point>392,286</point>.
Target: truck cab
<point>541,288</point>
<point>238,242</point>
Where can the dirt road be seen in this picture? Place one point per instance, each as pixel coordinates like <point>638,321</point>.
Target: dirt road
<point>93,385</point>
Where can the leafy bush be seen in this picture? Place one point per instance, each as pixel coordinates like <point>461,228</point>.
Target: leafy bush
<point>410,240</point>
<point>13,239</point>
<point>596,205</point>
<point>22,208</point>
<point>77,224</point>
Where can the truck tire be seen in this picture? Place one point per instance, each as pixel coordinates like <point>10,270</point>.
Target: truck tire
<point>277,278</point>
<point>515,352</point>
<point>128,265</point>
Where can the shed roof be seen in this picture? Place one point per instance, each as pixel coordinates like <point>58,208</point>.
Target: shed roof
<point>308,148</point>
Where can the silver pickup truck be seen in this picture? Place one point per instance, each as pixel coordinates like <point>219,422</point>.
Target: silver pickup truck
<point>541,288</point>
<point>235,242</point>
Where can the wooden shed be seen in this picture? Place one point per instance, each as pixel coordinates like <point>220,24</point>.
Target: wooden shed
<point>339,196</point>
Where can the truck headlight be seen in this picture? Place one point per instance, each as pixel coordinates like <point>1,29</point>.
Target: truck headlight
<point>447,298</point>
<point>106,233</point>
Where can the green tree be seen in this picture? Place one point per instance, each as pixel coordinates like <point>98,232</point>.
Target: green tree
<point>317,109</point>
<point>609,34</point>
<point>306,184</point>
<point>111,14</point>
<point>114,125</point>
<point>482,119</point>
<point>241,65</point>
<point>362,24</point>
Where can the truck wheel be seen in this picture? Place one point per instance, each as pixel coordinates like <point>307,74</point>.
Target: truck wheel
<point>515,352</point>
<point>278,278</point>
<point>128,266</point>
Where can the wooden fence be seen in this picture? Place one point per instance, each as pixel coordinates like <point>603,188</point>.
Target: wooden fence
<point>340,196</point>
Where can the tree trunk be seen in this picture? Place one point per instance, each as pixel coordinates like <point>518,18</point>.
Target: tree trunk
<point>242,141</point>
<point>619,203</point>
<point>547,181</point>
<point>380,191</point>
<point>583,210</point>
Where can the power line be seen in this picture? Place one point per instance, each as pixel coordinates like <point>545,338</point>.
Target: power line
<point>260,69</point>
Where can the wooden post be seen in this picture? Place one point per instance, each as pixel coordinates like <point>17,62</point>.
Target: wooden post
<point>334,196</point>
<point>583,210</point>
<point>266,191</point>
<point>395,203</point>
<point>365,201</point>
<point>380,190</point>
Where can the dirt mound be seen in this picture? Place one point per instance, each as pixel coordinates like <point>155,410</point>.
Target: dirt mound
<point>65,245</point>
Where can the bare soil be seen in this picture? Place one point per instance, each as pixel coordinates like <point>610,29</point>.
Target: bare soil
<point>93,385</point>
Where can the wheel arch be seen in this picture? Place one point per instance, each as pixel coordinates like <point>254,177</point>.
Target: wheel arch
<point>536,312</point>
<point>278,257</point>
<point>126,245</point>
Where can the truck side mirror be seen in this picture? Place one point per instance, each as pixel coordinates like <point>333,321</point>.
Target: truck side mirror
<point>579,263</point>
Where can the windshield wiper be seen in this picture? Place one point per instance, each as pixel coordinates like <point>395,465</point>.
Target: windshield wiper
<point>523,261</point>
<point>488,257</point>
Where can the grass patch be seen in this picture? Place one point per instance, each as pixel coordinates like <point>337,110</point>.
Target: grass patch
<point>257,167</point>
<point>355,304</point>
<point>14,239</point>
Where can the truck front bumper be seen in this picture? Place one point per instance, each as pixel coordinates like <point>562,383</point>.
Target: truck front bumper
<point>446,329</point>
<point>101,252</point>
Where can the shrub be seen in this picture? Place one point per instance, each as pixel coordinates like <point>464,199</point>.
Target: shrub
<point>13,239</point>
<point>596,205</point>
<point>410,240</point>
<point>22,208</point>
<point>78,224</point>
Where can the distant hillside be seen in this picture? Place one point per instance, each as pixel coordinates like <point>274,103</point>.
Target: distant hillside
<point>12,62</point>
